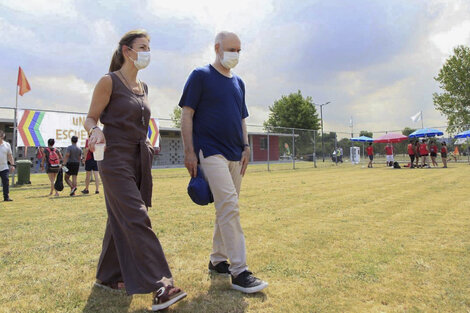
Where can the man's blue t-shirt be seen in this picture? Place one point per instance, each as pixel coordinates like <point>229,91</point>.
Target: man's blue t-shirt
<point>219,105</point>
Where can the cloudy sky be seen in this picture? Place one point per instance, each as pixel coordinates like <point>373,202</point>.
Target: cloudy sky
<point>373,60</point>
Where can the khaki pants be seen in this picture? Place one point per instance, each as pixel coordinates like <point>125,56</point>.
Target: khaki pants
<point>229,242</point>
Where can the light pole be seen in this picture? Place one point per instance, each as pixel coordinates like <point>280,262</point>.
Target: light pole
<point>321,118</point>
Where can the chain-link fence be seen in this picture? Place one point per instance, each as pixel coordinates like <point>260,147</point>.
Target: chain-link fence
<point>276,148</point>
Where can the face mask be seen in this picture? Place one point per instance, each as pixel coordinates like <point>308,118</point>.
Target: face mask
<point>230,59</point>
<point>143,59</point>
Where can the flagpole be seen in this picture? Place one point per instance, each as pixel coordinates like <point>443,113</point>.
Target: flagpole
<point>422,121</point>
<point>14,136</point>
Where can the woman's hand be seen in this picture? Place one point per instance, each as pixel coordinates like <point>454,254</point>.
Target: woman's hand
<point>97,136</point>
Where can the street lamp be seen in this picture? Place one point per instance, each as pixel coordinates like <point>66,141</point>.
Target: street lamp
<point>321,118</point>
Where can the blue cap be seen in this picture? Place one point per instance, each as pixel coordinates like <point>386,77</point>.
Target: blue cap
<point>199,190</point>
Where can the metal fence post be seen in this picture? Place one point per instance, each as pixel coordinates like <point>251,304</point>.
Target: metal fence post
<point>293,149</point>
<point>268,150</point>
<point>314,150</point>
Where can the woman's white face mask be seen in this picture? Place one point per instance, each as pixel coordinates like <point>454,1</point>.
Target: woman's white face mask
<point>143,59</point>
<point>229,59</point>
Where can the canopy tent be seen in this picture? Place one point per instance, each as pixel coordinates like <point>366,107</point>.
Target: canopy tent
<point>391,138</point>
<point>362,139</point>
<point>464,134</point>
<point>426,132</point>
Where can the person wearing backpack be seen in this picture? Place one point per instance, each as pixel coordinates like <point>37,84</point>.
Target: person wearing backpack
<point>51,161</point>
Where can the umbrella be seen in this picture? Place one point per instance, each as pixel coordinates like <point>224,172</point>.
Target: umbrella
<point>426,132</point>
<point>464,134</point>
<point>390,138</point>
<point>362,139</point>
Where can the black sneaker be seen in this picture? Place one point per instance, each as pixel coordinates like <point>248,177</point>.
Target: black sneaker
<point>97,192</point>
<point>85,191</point>
<point>72,192</point>
<point>7,199</point>
<point>247,283</point>
<point>221,268</point>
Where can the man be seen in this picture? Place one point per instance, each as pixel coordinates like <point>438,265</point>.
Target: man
<point>389,154</point>
<point>214,133</point>
<point>5,157</point>
<point>73,155</point>
<point>370,153</point>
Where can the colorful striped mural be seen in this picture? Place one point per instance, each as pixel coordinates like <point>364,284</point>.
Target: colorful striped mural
<point>28,128</point>
<point>153,132</point>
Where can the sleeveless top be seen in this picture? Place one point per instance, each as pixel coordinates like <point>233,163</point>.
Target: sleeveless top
<point>122,117</point>
<point>126,119</point>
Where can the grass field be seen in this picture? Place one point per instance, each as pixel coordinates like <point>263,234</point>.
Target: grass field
<point>332,239</point>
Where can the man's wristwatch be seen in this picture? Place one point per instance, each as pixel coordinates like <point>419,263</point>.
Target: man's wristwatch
<point>246,145</point>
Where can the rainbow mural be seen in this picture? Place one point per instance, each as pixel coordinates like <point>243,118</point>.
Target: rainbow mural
<point>28,128</point>
<point>153,132</point>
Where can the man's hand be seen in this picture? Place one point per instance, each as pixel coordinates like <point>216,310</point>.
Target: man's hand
<point>12,168</point>
<point>244,161</point>
<point>190,161</point>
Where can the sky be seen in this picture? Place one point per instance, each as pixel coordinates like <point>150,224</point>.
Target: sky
<point>374,61</point>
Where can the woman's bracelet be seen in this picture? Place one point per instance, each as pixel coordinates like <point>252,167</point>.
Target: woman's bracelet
<point>91,130</point>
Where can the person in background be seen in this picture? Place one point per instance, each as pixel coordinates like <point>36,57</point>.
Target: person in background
<point>39,156</point>
<point>6,157</point>
<point>411,153</point>
<point>389,154</point>
<point>444,154</point>
<point>370,154</point>
<point>417,155</point>
<point>72,159</point>
<point>433,151</point>
<point>51,163</point>
<point>91,168</point>
<point>423,152</point>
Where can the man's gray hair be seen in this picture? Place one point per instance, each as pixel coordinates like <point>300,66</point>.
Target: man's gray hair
<point>221,36</point>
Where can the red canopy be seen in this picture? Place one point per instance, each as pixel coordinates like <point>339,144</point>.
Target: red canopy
<point>391,137</point>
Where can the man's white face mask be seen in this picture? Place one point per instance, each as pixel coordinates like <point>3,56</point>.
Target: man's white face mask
<point>229,59</point>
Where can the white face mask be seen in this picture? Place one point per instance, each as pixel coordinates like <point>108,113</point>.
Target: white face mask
<point>143,59</point>
<point>229,59</point>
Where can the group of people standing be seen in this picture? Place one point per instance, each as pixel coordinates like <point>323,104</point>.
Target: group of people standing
<point>421,150</point>
<point>52,161</point>
<point>416,150</point>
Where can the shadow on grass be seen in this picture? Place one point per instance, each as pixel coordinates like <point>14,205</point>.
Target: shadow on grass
<point>101,300</point>
<point>219,299</point>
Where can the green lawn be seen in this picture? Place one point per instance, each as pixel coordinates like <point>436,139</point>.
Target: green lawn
<point>331,239</point>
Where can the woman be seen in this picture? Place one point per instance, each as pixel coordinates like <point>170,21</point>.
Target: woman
<point>433,152</point>
<point>444,154</point>
<point>132,255</point>
<point>51,160</point>
<point>90,167</point>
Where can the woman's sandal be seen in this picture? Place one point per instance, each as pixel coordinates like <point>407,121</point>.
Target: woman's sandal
<point>115,287</point>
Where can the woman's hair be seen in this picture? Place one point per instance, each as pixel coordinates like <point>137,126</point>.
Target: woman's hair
<point>118,59</point>
<point>51,142</point>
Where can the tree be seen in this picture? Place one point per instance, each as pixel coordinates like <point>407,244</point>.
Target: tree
<point>407,131</point>
<point>176,116</point>
<point>293,111</point>
<point>454,80</point>
<point>365,133</point>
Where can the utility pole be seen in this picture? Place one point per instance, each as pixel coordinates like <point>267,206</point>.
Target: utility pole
<point>321,118</point>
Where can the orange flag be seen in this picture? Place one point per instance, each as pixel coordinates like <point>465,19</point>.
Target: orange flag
<point>22,82</point>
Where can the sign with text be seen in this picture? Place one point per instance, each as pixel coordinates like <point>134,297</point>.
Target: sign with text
<point>36,127</point>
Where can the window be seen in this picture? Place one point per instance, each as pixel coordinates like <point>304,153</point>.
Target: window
<point>263,143</point>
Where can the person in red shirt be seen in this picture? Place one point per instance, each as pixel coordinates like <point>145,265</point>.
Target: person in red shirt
<point>424,152</point>
<point>417,155</point>
<point>444,154</point>
<point>433,150</point>
<point>389,154</point>
<point>370,153</point>
<point>90,165</point>
<point>411,153</point>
